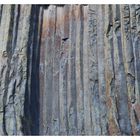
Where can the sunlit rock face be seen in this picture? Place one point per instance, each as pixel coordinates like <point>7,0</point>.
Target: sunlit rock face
<point>69,70</point>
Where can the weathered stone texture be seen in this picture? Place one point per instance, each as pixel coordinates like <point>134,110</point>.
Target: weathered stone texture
<point>69,70</point>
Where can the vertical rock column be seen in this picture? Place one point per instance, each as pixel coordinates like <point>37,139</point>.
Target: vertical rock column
<point>14,29</point>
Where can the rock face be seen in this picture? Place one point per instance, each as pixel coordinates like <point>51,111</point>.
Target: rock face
<point>69,70</point>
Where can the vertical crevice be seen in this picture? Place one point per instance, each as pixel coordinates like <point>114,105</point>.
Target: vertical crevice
<point>34,99</point>
<point>38,63</point>
<point>32,106</point>
<point>15,27</point>
<point>1,9</point>
<point>26,120</point>
<point>81,61</point>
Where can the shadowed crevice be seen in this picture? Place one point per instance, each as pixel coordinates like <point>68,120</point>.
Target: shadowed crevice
<point>31,106</point>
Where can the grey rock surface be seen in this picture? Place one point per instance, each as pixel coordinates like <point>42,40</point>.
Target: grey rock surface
<point>69,70</point>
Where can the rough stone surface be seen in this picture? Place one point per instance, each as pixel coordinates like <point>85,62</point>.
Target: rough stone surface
<point>69,70</point>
